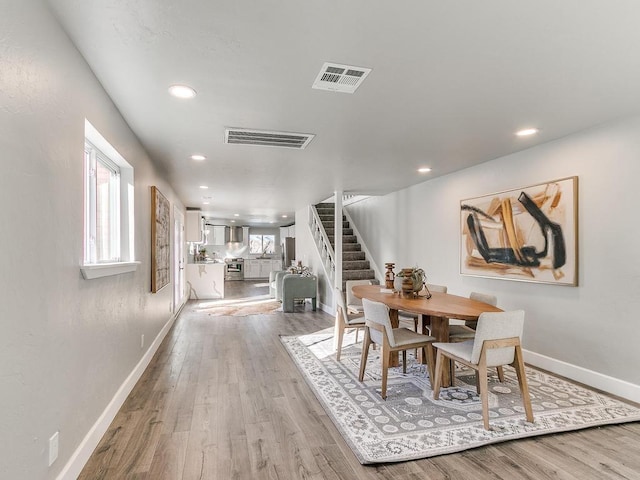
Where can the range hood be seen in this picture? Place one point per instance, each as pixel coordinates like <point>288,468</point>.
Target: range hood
<point>235,234</point>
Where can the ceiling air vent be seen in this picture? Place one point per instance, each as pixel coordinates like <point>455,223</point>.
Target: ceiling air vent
<point>340,78</point>
<point>243,136</point>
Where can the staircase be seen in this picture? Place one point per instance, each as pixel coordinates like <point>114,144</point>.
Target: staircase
<point>355,266</point>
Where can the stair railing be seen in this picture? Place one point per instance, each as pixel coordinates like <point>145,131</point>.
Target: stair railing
<point>323,244</point>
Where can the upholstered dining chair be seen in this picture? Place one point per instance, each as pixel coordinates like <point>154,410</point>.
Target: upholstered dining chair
<point>379,331</point>
<point>462,333</point>
<point>496,343</point>
<point>344,320</point>
<point>354,304</point>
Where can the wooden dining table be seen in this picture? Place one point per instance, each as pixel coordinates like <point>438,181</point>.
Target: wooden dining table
<point>435,311</point>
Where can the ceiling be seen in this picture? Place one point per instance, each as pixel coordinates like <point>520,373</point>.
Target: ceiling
<point>450,84</point>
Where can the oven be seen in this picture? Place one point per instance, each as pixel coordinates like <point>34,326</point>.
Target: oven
<point>234,269</point>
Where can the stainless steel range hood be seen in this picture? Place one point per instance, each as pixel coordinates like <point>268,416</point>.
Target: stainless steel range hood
<point>234,235</point>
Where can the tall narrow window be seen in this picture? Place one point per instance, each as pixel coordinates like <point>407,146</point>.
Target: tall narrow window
<point>108,232</point>
<point>103,216</point>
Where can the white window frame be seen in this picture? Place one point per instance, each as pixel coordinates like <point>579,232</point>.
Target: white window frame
<point>262,248</point>
<point>122,195</point>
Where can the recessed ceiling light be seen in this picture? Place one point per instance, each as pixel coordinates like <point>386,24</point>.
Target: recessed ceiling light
<point>205,203</point>
<point>424,170</point>
<point>236,214</point>
<point>182,91</point>
<point>198,157</point>
<point>284,216</point>
<point>527,131</point>
<point>204,187</point>
<point>233,221</point>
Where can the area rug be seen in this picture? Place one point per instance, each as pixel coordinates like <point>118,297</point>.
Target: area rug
<point>241,307</point>
<point>410,425</point>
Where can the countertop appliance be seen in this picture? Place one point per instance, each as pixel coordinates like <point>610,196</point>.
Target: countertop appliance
<point>233,269</point>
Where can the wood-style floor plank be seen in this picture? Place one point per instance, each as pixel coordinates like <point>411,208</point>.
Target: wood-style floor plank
<point>221,399</point>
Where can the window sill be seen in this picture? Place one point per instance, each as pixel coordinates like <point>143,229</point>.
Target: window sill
<point>98,270</point>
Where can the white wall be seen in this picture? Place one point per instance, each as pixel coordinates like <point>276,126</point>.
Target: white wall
<point>67,344</point>
<point>307,253</point>
<point>589,332</point>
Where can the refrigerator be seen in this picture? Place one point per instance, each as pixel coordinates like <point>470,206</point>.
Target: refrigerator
<point>288,251</point>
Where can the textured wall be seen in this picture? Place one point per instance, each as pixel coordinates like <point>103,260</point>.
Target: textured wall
<point>592,326</point>
<point>67,344</point>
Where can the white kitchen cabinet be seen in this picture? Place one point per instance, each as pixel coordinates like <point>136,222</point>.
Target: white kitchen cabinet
<point>261,268</point>
<point>252,268</point>
<point>289,231</point>
<point>216,235</point>
<point>265,268</point>
<point>193,226</point>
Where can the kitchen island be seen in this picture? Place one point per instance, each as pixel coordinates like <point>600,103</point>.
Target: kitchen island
<point>205,280</point>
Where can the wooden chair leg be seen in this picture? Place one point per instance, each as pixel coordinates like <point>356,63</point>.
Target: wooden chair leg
<point>436,381</point>
<point>522,381</point>
<point>357,331</point>
<point>404,361</point>
<point>386,360</point>
<point>484,392</point>
<point>365,353</point>
<point>431,360</point>
<point>340,336</point>
<point>500,371</point>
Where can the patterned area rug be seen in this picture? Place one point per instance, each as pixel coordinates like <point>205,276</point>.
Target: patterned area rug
<point>241,307</point>
<point>410,425</point>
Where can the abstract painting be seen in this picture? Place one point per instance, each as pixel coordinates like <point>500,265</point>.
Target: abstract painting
<point>160,246</point>
<point>527,234</point>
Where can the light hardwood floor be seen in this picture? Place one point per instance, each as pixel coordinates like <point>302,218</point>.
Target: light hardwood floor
<point>222,400</point>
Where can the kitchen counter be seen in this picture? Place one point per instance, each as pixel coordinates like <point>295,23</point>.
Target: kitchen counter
<point>205,280</point>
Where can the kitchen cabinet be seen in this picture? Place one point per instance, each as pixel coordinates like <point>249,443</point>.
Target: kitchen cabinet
<point>216,235</point>
<point>261,268</point>
<point>289,231</point>
<point>276,265</point>
<point>252,268</point>
<point>193,226</point>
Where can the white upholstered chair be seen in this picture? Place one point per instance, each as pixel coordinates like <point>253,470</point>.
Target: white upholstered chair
<point>378,330</point>
<point>496,343</point>
<point>344,320</point>
<point>354,304</point>
<point>462,333</point>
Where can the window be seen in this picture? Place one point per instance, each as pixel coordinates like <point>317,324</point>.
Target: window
<point>259,244</point>
<point>103,202</point>
<point>108,206</point>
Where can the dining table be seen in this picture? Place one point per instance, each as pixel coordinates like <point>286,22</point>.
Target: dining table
<point>435,310</point>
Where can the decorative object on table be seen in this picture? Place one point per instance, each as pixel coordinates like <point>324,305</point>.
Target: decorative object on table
<point>389,276</point>
<point>410,424</point>
<point>527,234</point>
<point>300,269</point>
<point>409,281</point>
<point>160,251</point>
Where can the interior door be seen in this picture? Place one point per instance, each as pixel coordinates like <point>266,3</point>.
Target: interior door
<point>178,259</point>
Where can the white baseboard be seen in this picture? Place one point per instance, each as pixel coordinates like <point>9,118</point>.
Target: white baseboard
<point>597,380</point>
<point>80,457</point>
<point>326,309</point>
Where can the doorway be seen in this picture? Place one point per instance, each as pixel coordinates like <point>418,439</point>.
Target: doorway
<point>178,260</point>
